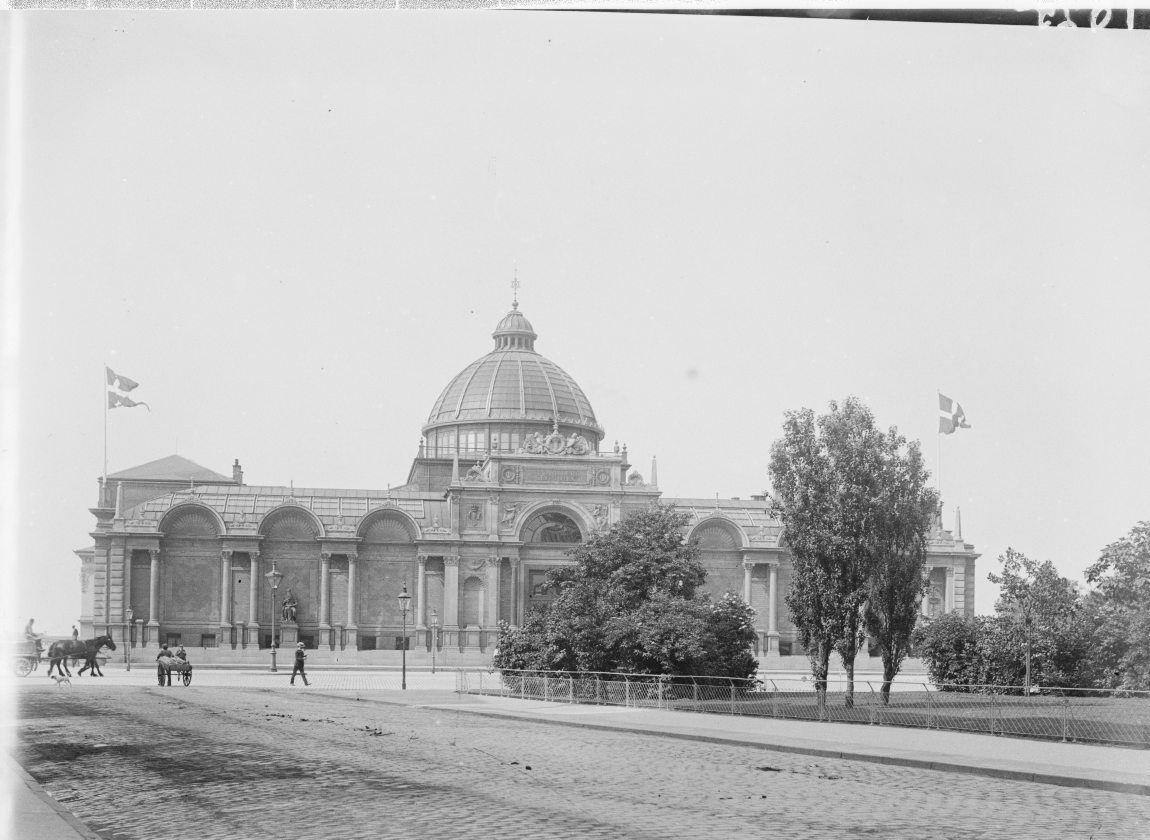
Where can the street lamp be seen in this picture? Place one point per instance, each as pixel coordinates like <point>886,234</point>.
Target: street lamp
<point>128,638</point>
<point>274,577</point>
<point>404,602</point>
<point>434,636</point>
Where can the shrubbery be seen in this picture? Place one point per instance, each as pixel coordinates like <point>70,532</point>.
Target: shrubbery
<point>630,603</point>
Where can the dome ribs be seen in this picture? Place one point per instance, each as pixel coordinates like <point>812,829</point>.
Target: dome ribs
<point>550,389</point>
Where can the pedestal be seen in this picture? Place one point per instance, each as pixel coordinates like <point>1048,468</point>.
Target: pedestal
<point>289,635</point>
<point>351,639</point>
<point>772,644</point>
<point>251,635</point>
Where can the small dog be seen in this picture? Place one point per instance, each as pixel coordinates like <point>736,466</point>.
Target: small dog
<point>60,680</point>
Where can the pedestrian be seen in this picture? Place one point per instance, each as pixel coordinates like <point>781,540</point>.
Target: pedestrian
<point>300,656</point>
<point>75,634</point>
<point>164,664</point>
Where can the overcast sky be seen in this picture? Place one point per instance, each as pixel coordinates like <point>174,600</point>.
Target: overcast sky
<point>294,229</point>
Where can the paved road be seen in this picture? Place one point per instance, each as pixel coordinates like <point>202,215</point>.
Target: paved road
<point>253,763</point>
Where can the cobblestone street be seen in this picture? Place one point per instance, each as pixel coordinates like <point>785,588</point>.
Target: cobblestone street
<point>250,763</point>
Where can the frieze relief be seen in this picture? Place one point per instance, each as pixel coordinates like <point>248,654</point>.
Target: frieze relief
<point>555,444</point>
<point>475,515</point>
<point>436,527</point>
<point>141,525</point>
<point>510,512</point>
<point>509,474</point>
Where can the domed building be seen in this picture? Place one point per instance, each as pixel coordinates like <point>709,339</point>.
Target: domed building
<point>510,475</point>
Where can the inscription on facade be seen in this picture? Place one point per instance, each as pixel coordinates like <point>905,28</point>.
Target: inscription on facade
<point>545,476</point>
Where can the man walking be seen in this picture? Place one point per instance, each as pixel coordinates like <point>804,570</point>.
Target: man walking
<point>300,656</point>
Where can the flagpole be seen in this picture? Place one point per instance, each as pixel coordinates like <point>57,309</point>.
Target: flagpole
<point>938,457</point>
<point>104,394</point>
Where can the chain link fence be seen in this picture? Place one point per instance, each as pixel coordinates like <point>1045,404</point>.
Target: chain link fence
<point>1063,714</point>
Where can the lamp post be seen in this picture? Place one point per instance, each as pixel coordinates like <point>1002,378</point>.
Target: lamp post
<point>434,636</point>
<point>404,601</point>
<point>274,577</point>
<point>128,639</point>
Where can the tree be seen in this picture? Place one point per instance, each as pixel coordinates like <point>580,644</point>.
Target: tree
<point>855,510</point>
<point>905,506</point>
<point>631,603</point>
<point>1038,611</point>
<point>1119,610</point>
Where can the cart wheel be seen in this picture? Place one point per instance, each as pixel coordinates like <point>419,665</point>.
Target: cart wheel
<point>22,666</point>
<point>187,677</point>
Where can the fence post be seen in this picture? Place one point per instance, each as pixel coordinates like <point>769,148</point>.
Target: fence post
<point>732,697</point>
<point>571,689</point>
<point>873,705</point>
<point>774,699</point>
<point>598,691</point>
<point>626,691</point>
<point>929,707</point>
<point>1065,717</point>
<point>694,691</point>
<point>480,682</point>
<point>992,712</point>
<point>546,688</point>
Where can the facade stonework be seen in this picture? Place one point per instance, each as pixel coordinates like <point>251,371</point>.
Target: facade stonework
<point>510,476</point>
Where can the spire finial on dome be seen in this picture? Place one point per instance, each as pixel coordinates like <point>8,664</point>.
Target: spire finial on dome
<point>515,289</point>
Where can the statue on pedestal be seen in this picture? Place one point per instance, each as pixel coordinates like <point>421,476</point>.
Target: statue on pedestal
<point>290,606</point>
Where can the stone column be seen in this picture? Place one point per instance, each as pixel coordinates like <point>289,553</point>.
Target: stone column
<point>773,609</point>
<point>516,585</point>
<point>154,598</point>
<point>352,617</point>
<point>748,568</point>
<point>492,617</point>
<point>225,590</point>
<point>421,594</point>
<point>948,598</point>
<point>324,588</point>
<point>451,592</point>
<point>252,631</point>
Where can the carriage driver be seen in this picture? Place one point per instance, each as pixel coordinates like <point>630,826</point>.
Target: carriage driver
<point>33,636</point>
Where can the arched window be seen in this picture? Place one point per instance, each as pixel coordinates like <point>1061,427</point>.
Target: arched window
<point>551,527</point>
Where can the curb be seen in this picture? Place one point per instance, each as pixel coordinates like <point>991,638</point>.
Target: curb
<point>900,761</point>
<point>37,790</point>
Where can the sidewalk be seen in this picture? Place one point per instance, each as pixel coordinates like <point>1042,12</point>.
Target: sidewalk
<point>1114,769</point>
<point>29,813</point>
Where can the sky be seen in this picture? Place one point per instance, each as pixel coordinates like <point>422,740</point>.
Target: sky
<point>294,229</point>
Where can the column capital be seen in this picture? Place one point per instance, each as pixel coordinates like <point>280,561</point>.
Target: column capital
<point>749,565</point>
<point>154,552</point>
<point>493,562</point>
<point>226,553</point>
<point>325,556</point>
<point>351,557</point>
<point>450,560</point>
<point>422,558</point>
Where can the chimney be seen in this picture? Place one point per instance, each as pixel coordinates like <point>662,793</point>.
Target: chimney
<point>958,523</point>
<point>119,499</point>
<point>654,472</point>
<point>237,472</point>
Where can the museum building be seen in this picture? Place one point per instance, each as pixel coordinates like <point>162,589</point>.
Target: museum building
<point>512,472</point>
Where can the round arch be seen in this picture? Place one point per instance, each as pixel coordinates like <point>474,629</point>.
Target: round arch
<point>398,519</point>
<point>194,513</point>
<point>571,512</point>
<point>289,510</point>
<point>719,532</point>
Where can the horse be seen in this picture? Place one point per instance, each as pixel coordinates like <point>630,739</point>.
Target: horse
<point>59,653</point>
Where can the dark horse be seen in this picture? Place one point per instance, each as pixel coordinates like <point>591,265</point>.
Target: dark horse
<point>60,652</point>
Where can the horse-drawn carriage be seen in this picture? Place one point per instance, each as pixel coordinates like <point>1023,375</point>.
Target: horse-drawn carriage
<point>168,665</point>
<point>24,656</point>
